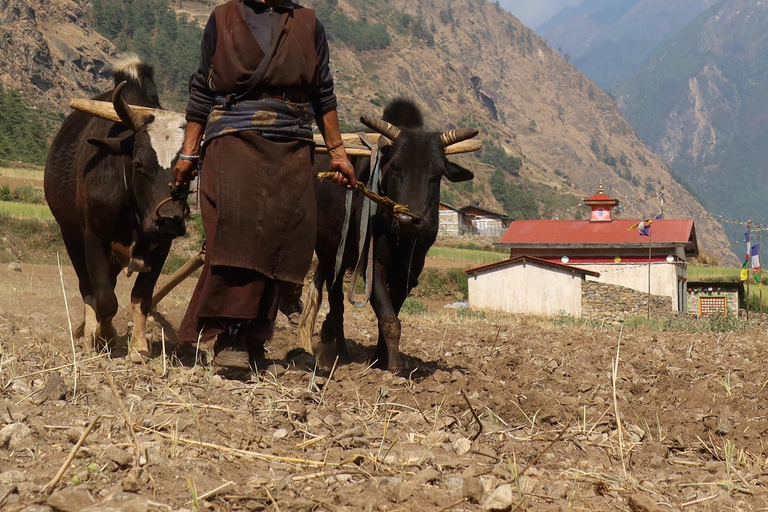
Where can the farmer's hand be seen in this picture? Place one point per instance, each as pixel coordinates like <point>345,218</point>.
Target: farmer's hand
<point>340,164</point>
<point>184,171</point>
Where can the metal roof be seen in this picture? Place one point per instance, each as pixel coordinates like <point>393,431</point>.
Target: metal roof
<point>530,259</point>
<point>586,234</point>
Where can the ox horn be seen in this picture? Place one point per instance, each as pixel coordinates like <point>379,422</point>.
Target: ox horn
<point>128,116</point>
<point>389,131</point>
<point>454,136</point>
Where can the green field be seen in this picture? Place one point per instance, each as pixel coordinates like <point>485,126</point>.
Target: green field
<point>25,211</point>
<point>17,172</point>
<point>466,256</point>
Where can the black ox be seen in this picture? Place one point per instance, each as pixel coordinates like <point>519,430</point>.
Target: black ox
<point>413,165</point>
<point>107,185</point>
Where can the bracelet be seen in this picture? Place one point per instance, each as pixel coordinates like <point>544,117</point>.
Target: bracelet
<point>189,158</point>
<point>337,146</point>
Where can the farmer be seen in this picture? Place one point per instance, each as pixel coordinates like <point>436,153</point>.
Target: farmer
<point>263,77</point>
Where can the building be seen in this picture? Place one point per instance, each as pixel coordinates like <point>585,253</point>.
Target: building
<point>486,222</point>
<point>509,285</point>
<point>471,220</point>
<point>714,299</point>
<point>625,262</point>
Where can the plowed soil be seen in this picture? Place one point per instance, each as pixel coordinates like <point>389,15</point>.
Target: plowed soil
<point>690,436</point>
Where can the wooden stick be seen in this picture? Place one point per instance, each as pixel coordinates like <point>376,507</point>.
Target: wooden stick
<point>247,453</point>
<point>40,372</point>
<point>383,201</point>
<point>214,491</point>
<point>474,415</point>
<point>194,263</point>
<point>128,422</point>
<point>48,489</point>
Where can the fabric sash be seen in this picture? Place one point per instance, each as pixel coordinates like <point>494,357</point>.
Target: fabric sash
<point>274,119</point>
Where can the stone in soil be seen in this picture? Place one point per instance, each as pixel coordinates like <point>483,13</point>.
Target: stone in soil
<point>472,489</point>
<point>121,502</point>
<point>14,266</point>
<point>402,492</point>
<point>71,499</point>
<point>462,445</point>
<point>15,436</point>
<point>427,476</point>
<point>500,500</point>
<point>55,389</point>
<point>642,503</point>
<point>119,456</point>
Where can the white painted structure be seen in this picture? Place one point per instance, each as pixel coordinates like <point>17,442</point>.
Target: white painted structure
<point>510,285</point>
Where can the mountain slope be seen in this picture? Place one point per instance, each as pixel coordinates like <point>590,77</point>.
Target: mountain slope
<point>609,39</point>
<point>555,134</point>
<point>699,102</point>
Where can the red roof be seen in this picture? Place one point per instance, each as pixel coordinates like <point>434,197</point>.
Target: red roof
<point>569,232</point>
<point>530,259</point>
<point>601,198</point>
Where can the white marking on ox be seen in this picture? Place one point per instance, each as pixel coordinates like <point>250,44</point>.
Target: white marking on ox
<point>166,134</point>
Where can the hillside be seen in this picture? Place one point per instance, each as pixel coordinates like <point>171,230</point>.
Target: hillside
<point>609,39</point>
<point>699,102</point>
<point>556,134</point>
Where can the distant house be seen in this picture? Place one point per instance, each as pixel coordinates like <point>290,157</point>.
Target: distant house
<point>486,222</point>
<point>605,246</point>
<point>471,220</point>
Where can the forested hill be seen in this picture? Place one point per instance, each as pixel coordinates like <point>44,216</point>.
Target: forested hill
<point>700,103</point>
<point>551,134</point>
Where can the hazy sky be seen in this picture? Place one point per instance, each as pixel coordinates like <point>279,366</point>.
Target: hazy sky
<point>535,12</point>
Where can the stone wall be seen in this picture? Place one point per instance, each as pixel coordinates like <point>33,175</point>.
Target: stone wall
<point>612,303</point>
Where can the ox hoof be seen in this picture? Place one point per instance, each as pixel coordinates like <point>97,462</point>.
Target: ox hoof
<point>138,357</point>
<point>138,265</point>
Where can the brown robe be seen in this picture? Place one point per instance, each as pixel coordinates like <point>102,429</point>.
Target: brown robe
<point>257,196</point>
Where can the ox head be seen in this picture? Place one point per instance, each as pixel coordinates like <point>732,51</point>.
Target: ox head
<point>413,166</point>
<point>152,148</point>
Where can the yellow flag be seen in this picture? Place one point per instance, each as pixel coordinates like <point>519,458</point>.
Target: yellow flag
<point>744,274</point>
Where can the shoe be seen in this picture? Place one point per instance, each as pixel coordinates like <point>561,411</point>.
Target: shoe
<point>233,358</point>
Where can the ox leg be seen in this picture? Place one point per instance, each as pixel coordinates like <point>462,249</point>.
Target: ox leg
<point>388,347</point>
<point>88,328</point>
<point>332,331</point>
<point>103,280</point>
<point>141,303</point>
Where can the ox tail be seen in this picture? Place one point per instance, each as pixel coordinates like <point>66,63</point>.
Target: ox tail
<point>311,308</point>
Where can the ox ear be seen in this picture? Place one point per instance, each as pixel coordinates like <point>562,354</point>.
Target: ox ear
<point>113,145</point>
<point>456,173</point>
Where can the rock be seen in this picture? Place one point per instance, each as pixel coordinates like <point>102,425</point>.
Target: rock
<point>36,508</point>
<point>642,503</point>
<point>121,502</point>
<point>500,500</point>
<point>724,424</point>
<point>454,483</point>
<point>119,456</point>
<point>12,476</point>
<point>275,370</point>
<point>15,436</point>
<point>55,389</point>
<point>473,489</point>
<point>402,492</point>
<point>135,480</point>
<point>462,446</point>
<point>427,476</point>
<point>280,433</point>
<point>71,499</point>
<point>255,506</point>
<point>14,267</point>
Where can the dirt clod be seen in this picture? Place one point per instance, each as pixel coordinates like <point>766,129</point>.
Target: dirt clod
<point>642,503</point>
<point>473,489</point>
<point>15,436</point>
<point>70,499</point>
<point>119,456</point>
<point>427,476</point>
<point>462,445</point>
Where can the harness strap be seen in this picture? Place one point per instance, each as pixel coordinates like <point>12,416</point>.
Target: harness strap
<point>366,222</point>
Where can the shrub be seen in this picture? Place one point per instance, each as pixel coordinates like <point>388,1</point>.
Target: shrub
<point>413,306</point>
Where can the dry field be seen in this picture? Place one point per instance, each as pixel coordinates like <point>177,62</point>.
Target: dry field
<point>516,413</point>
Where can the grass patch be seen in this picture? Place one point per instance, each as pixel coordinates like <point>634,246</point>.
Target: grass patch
<point>436,283</point>
<point>413,306</point>
<point>20,172</point>
<point>471,313</point>
<point>473,257</point>
<point>687,323</point>
<point>713,274</point>
<point>174,262</point>
<point>30,240</point>
<point>15,210</point>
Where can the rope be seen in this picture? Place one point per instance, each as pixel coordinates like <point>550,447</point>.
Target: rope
<point>382,201</point>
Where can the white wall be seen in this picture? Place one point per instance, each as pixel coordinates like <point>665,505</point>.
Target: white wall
<point>664,278</point>
<point>527,289</point>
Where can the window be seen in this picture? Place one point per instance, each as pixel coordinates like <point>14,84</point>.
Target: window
<point>713,306</point>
